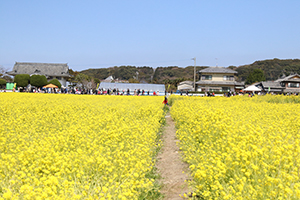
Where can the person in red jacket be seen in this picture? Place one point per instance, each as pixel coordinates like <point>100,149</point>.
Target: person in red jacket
<point>165,101</point>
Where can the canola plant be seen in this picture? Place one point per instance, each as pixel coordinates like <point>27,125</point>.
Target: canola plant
<point>241,147</point>
<point>77,146</point>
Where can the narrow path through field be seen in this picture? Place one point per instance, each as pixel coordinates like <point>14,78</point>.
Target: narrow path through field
<point>170,164</point>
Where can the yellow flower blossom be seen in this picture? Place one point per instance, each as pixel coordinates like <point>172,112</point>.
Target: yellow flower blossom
<point>77,146</point>
<point>245,147</point>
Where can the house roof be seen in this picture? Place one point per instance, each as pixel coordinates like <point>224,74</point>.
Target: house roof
<point>186,82</point>
<point>47,69</point>
<point>288,78</point>
<point>110,78</point>
<point>221,70</point>
<point>271,84</point>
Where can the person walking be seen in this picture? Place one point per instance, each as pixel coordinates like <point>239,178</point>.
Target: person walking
<point>165,101</point>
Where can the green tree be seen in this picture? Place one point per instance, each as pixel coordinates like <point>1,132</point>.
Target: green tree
<point>2,82</point>
<point>96,80</point>
<point>22,80</point>
<point>255,76</point>
<point>38,80</point>
<point>55,82</point>
<point>132,80</point>
<point>232,67</point>
<point>83,80</point>
<point>7,78</point>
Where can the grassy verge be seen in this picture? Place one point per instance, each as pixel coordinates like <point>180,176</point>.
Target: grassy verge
<point>154,193</point>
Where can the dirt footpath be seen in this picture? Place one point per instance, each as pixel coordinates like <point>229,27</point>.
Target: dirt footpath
<point>170,165</point>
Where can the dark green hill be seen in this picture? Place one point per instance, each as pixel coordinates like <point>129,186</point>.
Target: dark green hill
<point>273,69</point>
<point>122,73</point>
<point>171,73</point>
<point>145,74</point>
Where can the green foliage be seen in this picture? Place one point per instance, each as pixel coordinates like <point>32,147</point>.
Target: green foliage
<point>132,80</point>
<point>166,108</point>
<point>232,67</point>
<point>83,79</point>
<point>96,80</point>
<point>8,79</point>
<point>255,76</point>
<point>55,82</point>
<point>38,80</point>
<point>122,73</point>
<point>22,80</point>
<point>273,69</point>
<point>146,74</point>
<point>2,81</point>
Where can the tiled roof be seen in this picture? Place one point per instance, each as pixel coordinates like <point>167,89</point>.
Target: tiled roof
<point>271,84</point>
<point>47,69</point>
<point>186,82</point>
<point>288,78</point>
<point>218,70</point>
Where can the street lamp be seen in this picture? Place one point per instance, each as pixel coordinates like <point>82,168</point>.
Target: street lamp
<point>194,73</point>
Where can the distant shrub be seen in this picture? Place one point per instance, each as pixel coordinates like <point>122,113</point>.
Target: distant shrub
<point>55,82</point>
<point>22,80</point>
<point>38,80</point>
<point>2,81</point>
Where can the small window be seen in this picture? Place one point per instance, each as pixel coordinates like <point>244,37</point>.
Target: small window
<point>225,89</point>
<point>228,78</point>
<point>206,77</point>
<point>293,85</point>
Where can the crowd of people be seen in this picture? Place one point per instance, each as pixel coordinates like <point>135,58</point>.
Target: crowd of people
<point>136,92</point>
<point>101,91</point>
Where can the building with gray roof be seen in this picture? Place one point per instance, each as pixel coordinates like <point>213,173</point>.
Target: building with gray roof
<point>218,79</point>
<point>50,70</point>
<point>218,70</point>
<point>270,86</point>
<point>186,86</point>
<point>291,83</point>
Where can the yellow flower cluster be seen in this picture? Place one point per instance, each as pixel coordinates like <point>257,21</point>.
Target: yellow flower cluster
<point>241,147</point>
<point>77,147</point>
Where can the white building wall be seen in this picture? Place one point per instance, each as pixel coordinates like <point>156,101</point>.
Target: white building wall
<point>63,82</point>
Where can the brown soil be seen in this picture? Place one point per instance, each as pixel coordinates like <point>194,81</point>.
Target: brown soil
<point>170,165</point>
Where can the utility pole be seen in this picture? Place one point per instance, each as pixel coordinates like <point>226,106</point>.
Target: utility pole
<point>194,73</point>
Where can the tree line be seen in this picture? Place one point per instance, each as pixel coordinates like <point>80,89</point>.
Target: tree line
<point>265,70</point>
<point>268,70</point>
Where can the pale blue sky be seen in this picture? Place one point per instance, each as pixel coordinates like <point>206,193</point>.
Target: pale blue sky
<point>94,34</point>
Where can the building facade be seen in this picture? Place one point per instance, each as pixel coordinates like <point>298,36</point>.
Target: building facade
<point>218,79</point>
<point>186,86</point>
<point>50,70</point>
<point>291,83</point>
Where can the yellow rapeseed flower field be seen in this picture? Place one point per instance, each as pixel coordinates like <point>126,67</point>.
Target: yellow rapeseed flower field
<point>241,147</point>
<point>77,146</point>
